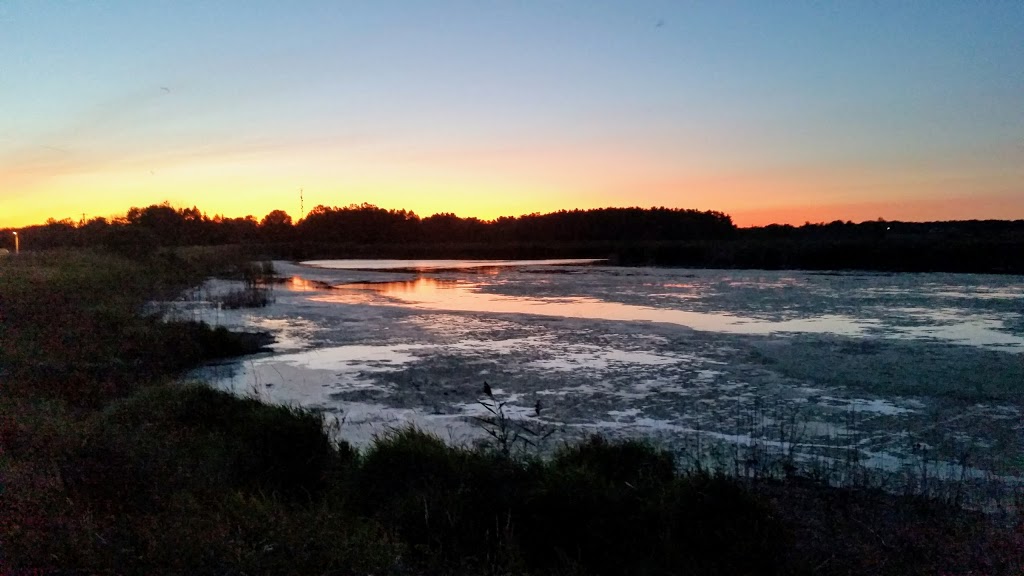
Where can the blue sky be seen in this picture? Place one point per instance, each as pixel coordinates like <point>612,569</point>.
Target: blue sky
<point>768,111</point>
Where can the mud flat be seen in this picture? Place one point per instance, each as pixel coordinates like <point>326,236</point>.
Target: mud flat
<point>920,374</point>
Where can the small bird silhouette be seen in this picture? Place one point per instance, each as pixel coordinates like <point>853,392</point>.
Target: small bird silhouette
<point>487,389</point>
<point>536,408</point>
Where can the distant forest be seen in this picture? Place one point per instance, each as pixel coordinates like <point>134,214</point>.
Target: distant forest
<point>625,236</point>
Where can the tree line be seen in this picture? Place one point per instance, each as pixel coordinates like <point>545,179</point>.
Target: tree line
<point>164,225</point>
<point>628,236</point>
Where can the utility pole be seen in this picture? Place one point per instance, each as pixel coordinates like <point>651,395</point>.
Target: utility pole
<point>17,244</point>
<point>302,205</point>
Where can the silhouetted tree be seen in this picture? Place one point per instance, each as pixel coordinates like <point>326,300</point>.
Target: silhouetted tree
<point>276,226</point>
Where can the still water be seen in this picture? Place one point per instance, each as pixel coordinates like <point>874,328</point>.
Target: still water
<point>888,370</point>
<point>935,306</point>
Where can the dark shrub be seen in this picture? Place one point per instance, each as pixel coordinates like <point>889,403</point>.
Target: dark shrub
<point>628,461</point>
<point>618,508</point>
<point>165,439</point>
<point>153,346</point>
<point>577,520</point>
<point>452,505</point>
<point>714,525</point>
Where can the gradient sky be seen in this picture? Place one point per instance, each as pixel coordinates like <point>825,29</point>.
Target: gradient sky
<point>769,111</point>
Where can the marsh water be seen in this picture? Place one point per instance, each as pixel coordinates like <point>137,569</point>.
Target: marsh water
<point>889,371</point>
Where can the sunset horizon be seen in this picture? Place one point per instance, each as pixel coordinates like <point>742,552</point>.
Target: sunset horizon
<point>773,115</point>
<point>949,211</point>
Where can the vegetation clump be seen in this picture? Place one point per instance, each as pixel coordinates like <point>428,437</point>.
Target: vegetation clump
<point>174,438</point>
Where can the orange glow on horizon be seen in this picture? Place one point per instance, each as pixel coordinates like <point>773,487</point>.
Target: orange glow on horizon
<point>994,207</point>
<point>239,185</point>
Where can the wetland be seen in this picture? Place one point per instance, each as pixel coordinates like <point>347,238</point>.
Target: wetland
<point>895,372</point>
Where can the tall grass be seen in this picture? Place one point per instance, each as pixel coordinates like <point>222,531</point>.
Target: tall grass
<point>72,323</point>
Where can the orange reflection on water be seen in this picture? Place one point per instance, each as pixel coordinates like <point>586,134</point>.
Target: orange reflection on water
<point>452,295</point>
<point>300,284</point>
<point>419,285</point>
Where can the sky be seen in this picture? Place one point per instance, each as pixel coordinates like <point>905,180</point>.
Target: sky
<point>772,112</point>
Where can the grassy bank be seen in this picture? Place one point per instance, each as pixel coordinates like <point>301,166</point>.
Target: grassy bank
<point>73,327</point>
<point>109,465</point>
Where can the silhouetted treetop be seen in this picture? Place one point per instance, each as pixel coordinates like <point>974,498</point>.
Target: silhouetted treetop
<point>366,223</point>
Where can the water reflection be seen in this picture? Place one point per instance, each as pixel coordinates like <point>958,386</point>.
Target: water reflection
<point>902,307</point>
<point>459,296</point>
<point>418,286</point>
<point>300,284</point>
<point>422,265</point>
